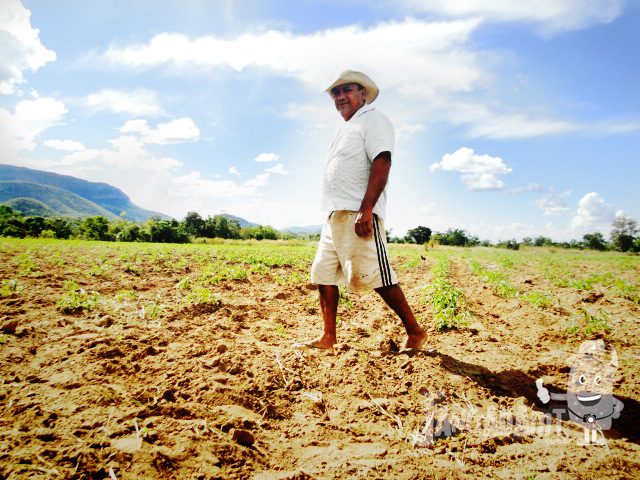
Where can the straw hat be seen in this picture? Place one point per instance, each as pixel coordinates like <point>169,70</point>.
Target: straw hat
<point>350,76</point>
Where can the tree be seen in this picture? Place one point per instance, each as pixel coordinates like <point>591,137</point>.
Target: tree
<point>420,235</point>
<point>95,228</point>
<point>194,224</point>
<point>594,241</point>
<point>59,226</point>
<point>454,237</point>
<point>624,231</point>
<point>543,242</point>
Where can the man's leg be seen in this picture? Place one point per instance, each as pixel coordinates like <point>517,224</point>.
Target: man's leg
<point>394,297</point>
<point>329,295</point>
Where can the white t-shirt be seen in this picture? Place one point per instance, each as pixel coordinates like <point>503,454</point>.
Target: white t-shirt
<point>356,144</point>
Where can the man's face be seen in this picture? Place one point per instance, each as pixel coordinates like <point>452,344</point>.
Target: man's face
<point>348,98</point>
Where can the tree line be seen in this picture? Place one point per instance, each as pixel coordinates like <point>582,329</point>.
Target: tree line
<point>624,236</point>
<point>156,229</point>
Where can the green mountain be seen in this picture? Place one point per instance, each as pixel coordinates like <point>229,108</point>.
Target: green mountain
<point>67,198</point>
<point>61,202</point>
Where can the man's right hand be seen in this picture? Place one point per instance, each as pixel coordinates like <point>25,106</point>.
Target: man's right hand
<point>364,223</point>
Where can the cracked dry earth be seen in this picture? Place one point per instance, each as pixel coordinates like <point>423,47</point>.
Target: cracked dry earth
<point>214,389</point>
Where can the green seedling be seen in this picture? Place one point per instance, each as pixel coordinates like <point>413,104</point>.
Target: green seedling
<point>588,322</point>
<point>77,299</point>
<point>538,298</point>
<point>628,290</point>
<point>202,295</point>
<point>281,330</point>
<point>9,287</point>
<point>448,301</point>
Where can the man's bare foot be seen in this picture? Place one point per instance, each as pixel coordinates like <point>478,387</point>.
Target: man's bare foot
<point>415,340</point>
<point>322,343</point>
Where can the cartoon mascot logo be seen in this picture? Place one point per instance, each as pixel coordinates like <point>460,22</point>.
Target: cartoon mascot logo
<point>589,397</point>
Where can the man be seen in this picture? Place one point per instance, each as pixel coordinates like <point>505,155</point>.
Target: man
<point>353,247</point>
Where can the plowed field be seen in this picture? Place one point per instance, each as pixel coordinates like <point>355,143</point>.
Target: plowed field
<point>164,361</point>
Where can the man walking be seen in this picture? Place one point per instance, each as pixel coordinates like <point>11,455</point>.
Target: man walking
<point>353,246</point>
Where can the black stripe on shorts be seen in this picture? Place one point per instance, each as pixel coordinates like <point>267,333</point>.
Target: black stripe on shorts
<point>383,260</point>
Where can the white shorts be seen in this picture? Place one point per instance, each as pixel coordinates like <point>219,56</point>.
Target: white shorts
<point>344,258</point>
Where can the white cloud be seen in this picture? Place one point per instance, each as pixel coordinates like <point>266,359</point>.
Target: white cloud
<point>480,172</point>
<point>431,56</point>
<point>194,186</point>
<point>81,156</point>
<point>430,60</point>
<point>20,47</point>
<point>176,131</point>
<point>19,130</point>
<point>551,16</point>
<point>279,169</point>
<point>501,126</point>
<point>234,171</point>
<point>68,145</point>
<point>138,102</point>
<point>552,203</point>
<point>593,215</point>
<point>549,201</point>
<point>130,153</point>
<point>405,131</point>
<point>267,157</point>
<point>259,181</point>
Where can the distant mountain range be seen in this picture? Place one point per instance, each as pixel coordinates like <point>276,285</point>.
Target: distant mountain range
<point>46,194</point>
<point>308,229</point>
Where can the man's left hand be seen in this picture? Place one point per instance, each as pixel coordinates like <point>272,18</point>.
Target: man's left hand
<point>364,223</point>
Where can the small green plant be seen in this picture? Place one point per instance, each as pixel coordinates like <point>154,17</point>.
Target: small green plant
<point>538,298</point>
<point>588,322</point>
<point>27,267</point>
<point>77,299</point>
<point>449,305</point>
<point>498,280</point>
<point>123,295</point>
<point>202,295</point>
<point>9,287</point>
<point>448,301</point>
<point>281,330</point>
<point>155,308</point>
<point>344,298</point>
<point>628,290</point>
<point>184,284</point>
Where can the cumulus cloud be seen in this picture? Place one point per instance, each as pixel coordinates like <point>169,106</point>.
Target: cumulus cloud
<point>20,47</point>
<point>480,172</point>
<point>139,102</point>
<point>432,56</point>
<point>193,185</point>
<point>130,153</point>
<point>267,157</point>
<point>593,215</point>
<point>549,201</point>
<point>234,171</point>
<point>177,131</point>
<point>405,131</point>
<point>68,145</point>
<point>551,16</point>
<point>438,64</point>
<point>19,130</point>
<point>279,169</point>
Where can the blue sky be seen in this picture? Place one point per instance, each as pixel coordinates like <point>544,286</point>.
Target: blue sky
<point>512,119</point>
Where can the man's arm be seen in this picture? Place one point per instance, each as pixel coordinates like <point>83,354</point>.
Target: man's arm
<point>378,177</point>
